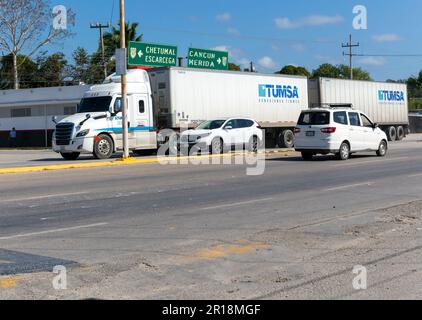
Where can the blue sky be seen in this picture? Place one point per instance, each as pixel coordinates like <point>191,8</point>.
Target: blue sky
<point>271,33</point>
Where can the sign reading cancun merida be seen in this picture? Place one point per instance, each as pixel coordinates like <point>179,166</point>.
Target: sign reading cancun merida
<point>152,55</point>
<point>208,59</point>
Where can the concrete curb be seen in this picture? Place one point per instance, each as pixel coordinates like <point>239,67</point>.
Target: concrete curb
<point>122,162</point>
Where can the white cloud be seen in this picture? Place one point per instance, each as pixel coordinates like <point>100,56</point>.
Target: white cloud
<point>299,47</point>
<point>233,32</point>
<point>373,61</point>
<point>388,37</point>
<point>267,62</point>
<point>315,20</point>
<point>224,17</point>
<point>236,55</point>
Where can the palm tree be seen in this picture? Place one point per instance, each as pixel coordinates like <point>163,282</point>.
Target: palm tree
<point>112,39</point>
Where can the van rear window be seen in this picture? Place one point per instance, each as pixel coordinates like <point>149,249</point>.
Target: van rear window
<point>314,118</point>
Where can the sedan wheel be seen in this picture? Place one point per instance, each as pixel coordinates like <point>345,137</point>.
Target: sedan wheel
<point>382,151</point>
<point>217,146</point>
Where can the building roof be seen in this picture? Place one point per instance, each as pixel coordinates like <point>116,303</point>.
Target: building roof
<point>42,96</point>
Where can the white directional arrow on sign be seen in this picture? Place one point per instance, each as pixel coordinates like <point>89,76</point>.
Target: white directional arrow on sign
<point>140,53</point>
<point>219,61</point>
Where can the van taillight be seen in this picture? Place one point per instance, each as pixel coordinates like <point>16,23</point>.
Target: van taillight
<point>297,130</point>
<point>328,130</point>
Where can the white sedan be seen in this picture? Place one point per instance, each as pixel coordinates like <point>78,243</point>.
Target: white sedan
<point>219,135</point>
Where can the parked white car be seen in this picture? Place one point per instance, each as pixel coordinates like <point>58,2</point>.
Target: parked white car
<point>218,135</point>
<point>339,131</point>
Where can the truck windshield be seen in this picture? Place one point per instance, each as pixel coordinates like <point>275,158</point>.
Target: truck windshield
<point>314,118</point>
<point>211,125</point>
<point>96,104</point>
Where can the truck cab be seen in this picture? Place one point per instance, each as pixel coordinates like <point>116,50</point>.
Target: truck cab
<point>96,128</point>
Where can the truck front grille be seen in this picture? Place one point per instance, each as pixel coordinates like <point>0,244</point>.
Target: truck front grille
<point>64,133</point>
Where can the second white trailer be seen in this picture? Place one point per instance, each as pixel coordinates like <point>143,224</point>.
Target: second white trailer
<point>385,103</point>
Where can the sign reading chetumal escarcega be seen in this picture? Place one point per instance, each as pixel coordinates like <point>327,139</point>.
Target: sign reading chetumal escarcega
<point>208,59</point>
<point>152,55</point>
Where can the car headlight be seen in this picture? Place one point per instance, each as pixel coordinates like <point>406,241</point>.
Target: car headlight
<point>204,135</point>
<point>83,133</point>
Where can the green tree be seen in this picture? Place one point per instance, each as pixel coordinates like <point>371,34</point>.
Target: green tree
<point>295,71</point>
<point>80,68</point>
<point>112,39</point>
<point>358,73</point>
<point>234,67</point>
<point>52,70</point>
<point>27,70</point>
<point>326,70</point>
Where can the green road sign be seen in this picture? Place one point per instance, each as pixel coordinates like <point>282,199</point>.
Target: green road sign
<point>208,59</point>
<point>152,55</point>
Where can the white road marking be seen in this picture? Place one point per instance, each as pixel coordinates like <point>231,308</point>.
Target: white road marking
<point>53,231</point>
<point>351,163</point>
<point>236,204</point>
<point>415,175</point>
<point>44,197</point>
<point>365,184</point>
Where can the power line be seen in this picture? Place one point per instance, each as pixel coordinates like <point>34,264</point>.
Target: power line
<point>350,45</point>
<point>101,27</point>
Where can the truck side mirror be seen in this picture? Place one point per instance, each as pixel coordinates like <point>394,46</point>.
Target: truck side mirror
<point>54,119</point>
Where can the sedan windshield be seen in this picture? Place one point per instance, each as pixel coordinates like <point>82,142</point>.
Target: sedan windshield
<point>211,125</point>
<point>96,104</point>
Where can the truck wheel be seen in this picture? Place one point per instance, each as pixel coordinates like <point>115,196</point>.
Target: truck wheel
<point>344,152</point>
<point>217,146</point>
<point>286,139</point>
<point>103,147</point>
<point>382,150</point>
<point>254,144</point>
<point>307,156</point>
<point>400,133</point>
<point>392,133</point>
<point>70,156</point>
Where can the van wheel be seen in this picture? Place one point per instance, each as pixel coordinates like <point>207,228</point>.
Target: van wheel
<point>400,133</point>
<point>286,139</point>
<point>217,146</point>
<point>344,152</point>
<point>307,156</point>
<point>392,134</point>
<point>104,147</point>
<point>70,156</point>
<point>382,150</point>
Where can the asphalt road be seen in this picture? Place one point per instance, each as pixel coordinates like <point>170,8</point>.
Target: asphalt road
<point>213,232</point>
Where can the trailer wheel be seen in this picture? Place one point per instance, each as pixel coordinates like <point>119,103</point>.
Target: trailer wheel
<point>70,156</point>
<point>400,133</point>
<point>103,147</point>
<point>286,139</point>
<point>392,133</point>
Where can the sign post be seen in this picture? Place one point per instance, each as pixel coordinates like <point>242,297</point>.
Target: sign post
<point>208,59</point>
<point>151,55</point>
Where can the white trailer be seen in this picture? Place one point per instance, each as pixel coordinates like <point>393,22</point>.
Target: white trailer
<point>386,103</point>
<point>191,96</point>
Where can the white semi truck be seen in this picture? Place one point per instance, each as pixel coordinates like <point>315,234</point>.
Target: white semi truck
<point>385,103</point>
<point>175,98</point>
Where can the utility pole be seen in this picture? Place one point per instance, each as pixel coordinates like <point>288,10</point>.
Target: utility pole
<point>101,27</point>
<point>350,45</point>
<point>123,81</point>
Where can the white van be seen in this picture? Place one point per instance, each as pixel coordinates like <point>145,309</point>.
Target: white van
<point>340,131</point>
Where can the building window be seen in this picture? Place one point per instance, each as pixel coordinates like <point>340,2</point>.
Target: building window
<point>68,111</point>
<point>20,113</point>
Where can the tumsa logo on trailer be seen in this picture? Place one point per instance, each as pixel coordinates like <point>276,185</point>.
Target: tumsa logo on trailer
<point>390,96</point>
<point>270,93</point>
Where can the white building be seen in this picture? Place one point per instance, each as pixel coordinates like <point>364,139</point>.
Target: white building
<point>30,111</point>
